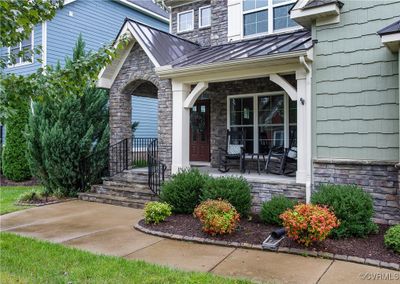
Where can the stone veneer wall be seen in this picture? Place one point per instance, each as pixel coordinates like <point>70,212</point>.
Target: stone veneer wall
<point>380,179</point>
<point>137,70</point>
<point>216,34</point>
<point>218,93</point>
<point>262,191</point>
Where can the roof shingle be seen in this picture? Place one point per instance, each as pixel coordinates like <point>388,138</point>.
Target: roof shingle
<point>391,29</point>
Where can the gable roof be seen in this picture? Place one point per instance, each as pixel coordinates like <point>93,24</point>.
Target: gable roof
<point>170,51</point>
<point>150,6</point>
<point>160,46</point>
<point>391,29</point>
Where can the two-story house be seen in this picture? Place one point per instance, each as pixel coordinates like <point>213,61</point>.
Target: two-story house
<point>98,21</point>
<point>312,78</point>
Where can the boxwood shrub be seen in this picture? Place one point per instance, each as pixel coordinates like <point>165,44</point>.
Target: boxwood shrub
<point>392,238</point>
<point>351,205</point>
<point>235,190</point>
<point>271,209</point>
<point>183,190</point>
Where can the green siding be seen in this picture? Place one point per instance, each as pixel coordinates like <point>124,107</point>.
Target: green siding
<point>356,85</point>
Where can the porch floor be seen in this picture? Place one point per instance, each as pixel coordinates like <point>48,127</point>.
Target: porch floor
<point>253,176</point>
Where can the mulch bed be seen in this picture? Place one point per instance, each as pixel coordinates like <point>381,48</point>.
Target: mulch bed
<point>6,182</point>
<point>255,232</point>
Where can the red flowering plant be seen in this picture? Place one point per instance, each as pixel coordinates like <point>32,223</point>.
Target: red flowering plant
<point>218,217</point>
<point>307,223</point>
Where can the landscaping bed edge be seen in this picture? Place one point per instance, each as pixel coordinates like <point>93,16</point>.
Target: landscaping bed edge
<point>303,252</point>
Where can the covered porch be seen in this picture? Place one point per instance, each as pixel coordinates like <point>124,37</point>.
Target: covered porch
<point>268,98</point>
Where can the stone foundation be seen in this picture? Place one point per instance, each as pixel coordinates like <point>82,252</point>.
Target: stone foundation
<point>262,191</point>
<point>380,179</point>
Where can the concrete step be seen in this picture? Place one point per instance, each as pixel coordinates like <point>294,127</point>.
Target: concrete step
<point>114,200</point>
<point>132,193</point>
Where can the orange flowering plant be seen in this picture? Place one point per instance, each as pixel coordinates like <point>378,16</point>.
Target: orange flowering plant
<point>307,223</point>
<point>218,217</point>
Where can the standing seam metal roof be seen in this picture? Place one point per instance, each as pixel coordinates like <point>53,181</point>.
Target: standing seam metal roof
<point>169,49</point>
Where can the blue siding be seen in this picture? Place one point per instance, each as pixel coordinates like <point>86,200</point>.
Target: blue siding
<point>31,67</point>
<point>99,21</point>
<point>145,111</point>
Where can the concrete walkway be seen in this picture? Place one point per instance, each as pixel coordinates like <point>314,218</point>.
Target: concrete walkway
<point>107,229</point>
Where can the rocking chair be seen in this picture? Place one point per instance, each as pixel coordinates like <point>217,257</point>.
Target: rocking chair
<point>285,158</point>
<point>234,151</point>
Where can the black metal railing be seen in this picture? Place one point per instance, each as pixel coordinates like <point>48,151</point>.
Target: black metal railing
<point>156,169</point>
<point>139,152</point>
<point>119,156</point>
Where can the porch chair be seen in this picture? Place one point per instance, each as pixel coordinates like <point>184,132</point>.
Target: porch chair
<point>234,151</point>
<point>284,158</point>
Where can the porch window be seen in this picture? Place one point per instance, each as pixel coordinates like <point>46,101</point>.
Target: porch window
<point>267,119</point>
<point>267,16</point>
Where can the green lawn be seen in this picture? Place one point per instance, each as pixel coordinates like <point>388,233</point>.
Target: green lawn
<point>25,260</point>
<point>9,195</point>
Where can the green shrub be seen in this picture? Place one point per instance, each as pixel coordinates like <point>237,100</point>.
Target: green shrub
<point>392,238</point>
<point>156,212</point>
<point>351,205</point>
<point>218,217</point>
<point>232,189</point>
<point>29,196</point>
<point>182,191</point>
<point>271,210</point>
<point>15,165</point>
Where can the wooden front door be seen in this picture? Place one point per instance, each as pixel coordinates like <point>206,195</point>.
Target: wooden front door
<point>200,131</point>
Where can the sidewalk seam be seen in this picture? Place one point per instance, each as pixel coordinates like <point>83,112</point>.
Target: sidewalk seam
<point>142,248</point>
<point>326,270</point>
<point>222,260</point>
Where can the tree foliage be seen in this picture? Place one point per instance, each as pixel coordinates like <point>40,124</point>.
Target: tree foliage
<point>72,78</point>
<point>67,125</point>
<point>15,166</point>
<point>19,17</point>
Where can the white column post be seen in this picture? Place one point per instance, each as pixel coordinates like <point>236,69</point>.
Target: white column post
<point>180,127</point>
<point>304,166</point>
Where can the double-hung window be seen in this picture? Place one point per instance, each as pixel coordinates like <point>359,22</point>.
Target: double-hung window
<point>25,46</point>
<point>268,120</point>
<point>266,16</point>
<point>205,17</point>
<point>185,21</point>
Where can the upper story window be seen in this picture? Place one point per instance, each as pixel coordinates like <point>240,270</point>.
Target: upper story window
<point>27,46</point>
<point>205,17</point>
<point>185,21</point>
<point>266,16</point>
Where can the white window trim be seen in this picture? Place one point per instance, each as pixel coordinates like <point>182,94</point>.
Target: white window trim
<point>255,124</point>
<point>177,21</point>
<point>33,55</point>
<point>200,9</point>
<point>270,11</point>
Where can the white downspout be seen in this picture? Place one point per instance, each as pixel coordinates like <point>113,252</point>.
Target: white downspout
<point>308,70</point>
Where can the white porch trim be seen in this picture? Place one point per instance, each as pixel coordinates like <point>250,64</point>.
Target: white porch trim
<point>197,91</point>
<point>280,81</point>
<point>180,127</point>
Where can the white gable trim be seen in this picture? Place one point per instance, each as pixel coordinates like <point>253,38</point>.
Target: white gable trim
<point>108,74</point>
<point>143,10</point>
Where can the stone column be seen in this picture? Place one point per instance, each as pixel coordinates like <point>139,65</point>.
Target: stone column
<point>180,127</point>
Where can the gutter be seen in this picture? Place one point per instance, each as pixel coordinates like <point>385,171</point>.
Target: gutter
<point>143,10</point>
<point>169,71</point>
